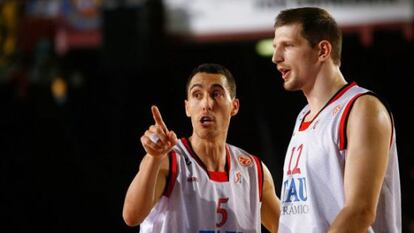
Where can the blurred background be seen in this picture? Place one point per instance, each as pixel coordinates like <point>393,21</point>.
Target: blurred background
<point>78,77</point>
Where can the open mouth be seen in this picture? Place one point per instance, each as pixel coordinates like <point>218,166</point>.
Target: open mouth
<point>284,72</point>
<point>206,120</point>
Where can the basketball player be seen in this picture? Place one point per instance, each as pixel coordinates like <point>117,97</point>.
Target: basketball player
<point>201,184</point>
<point>341,167</point>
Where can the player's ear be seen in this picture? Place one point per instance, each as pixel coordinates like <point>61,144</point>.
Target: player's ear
<point>235,106</point>
<point>187,112</point>
<point>325,49</point>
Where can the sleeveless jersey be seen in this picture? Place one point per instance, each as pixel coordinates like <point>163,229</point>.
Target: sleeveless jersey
<point>313,175</point>
<point>198,201</point>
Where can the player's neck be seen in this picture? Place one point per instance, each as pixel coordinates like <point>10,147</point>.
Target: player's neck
<point>211,152</point>
<point>324,87</point>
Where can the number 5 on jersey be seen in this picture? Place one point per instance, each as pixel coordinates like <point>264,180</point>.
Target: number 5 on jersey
<point>222,211</point>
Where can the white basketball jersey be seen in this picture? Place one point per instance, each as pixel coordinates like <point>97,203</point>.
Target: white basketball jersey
<point>199,201</point>
<point>313,176</point>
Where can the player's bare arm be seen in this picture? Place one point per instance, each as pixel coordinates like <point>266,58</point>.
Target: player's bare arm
<point>147,186</point>
<point>270,210</point>
<point>369,133</point>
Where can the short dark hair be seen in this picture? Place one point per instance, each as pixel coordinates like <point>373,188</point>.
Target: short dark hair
<point>317,25</point>
<point>211,68</point>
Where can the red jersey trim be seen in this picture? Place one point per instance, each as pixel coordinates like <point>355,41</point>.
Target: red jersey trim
<point>341,92</point>
<point>344,121</point>
<point>172,174</point>
<point>305,124</point>
<point>218,176</point>
<point>260,175</point>
<point>213,175</point>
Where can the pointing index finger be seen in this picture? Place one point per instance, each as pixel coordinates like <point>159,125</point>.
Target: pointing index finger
<point>158,118</point>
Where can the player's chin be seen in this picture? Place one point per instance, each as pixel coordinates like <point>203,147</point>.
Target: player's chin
<point>289,85</point>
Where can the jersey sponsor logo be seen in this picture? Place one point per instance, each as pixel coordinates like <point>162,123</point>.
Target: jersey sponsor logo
<point>245,160</point>
<point>294,196</point>
<point>295,209</point>
<point>294,188</point>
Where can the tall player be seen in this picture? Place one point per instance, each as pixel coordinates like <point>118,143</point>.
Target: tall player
<point>201,184</point>
<point>341,168</point>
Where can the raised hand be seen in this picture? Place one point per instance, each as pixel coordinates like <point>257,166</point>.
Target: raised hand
<point>158,141</point>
